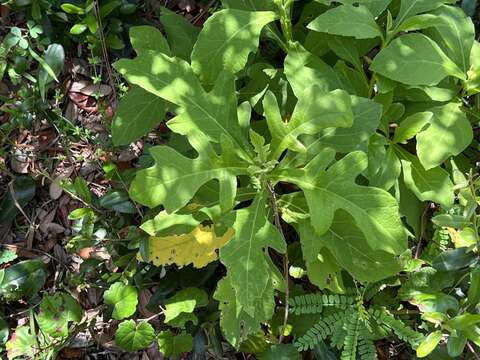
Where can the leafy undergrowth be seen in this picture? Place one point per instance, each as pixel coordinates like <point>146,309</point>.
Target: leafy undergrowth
<point>266,179</point>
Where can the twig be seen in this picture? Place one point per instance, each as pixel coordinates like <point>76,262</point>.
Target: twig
<point>422,232</point>
<point>472,350</point>
<point>278,224</point>
<point>104,49</point>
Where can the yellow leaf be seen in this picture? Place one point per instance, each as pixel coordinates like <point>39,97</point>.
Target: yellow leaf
<point>198,247</point>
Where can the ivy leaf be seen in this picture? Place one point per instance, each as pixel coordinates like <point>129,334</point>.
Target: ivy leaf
<point>181,34</point>
<point>172,345</point>
<point>454,32</point>
<point>226,40</point>
<point>410,8</point>
<point>448,134</point>
<point>311,115</point>
<point>131,336</point>
<point>56,312</point>
<point>374,210</point>
<point>158,184</point>
<point>237,324</point>
<point>244,254</point>
<point>138,112</point>
<point>123,298</point>
<point>198,247</point>
<point>434,184</point>
<point>415,59</point>
<point>347,20</point>
<point>184,302</point>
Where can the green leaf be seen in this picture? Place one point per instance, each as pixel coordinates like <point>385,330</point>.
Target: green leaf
<point>138,112</point>
<point>411,126</point>
<point>131,336</point>
<point>415,59</point>
<point>78,29</point>
<point>117,200</point>
<point>250,5</point>
<point>184,302</point>
<point>447,220</point>
<point>349,246</point>
<point>454,259</point>
<point>54,57</point>
<point>4,331</point>
<point>347,20</point>
<point>473,297</point>
<point>244,255</point>
<point>311,115</point>
<point>72,9</point>
<point>434,184</point>
<point>226,40</point>
<point>434,302</point>
<point>148,38</point>
<point>448,134</point>
<point>454,33</point>
<point>413,7</point>
<point>23,279</point>
<point>456,345</point>
<point>366,118</point>
<point>345,48</point>
<point>373,210</point>
<point>181,34</point>
<point>123,298</point>
<point>282,352</point>
<point>6,256</point>
<point>237,324</point>
<point>212,114</point>
<point>302,67</point>
<point>21,344</point>
<point>158,184</point>
<point>429,344</point>
<point>389,171</point>
<point>56,312</point>
<point>23,192</point>
<point>169,224</point>
<point>172,345</point>
<point>472,85</point>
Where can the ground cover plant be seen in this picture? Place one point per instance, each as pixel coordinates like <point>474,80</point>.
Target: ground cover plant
<point>308,188</point>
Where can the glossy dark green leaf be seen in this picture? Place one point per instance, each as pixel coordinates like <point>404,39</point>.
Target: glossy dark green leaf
<point>23,279</point>
<point>454,259</point>
<point>23,192</point>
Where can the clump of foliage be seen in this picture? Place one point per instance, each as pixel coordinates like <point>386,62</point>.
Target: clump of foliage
<point>310,145</point>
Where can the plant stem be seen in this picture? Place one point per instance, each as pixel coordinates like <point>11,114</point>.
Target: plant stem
<point>278,224</point>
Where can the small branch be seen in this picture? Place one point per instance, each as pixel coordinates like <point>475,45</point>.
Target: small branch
<point>278,224</point>
<point>472,350</point>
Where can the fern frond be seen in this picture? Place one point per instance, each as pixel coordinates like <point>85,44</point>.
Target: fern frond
<point>352,326</point>
<point>319,332</point>
<point>314,303</point>
<point>366,348</point>
<point>399,328</point>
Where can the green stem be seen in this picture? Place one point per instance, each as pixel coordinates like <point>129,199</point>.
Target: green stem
<point>285,18</point>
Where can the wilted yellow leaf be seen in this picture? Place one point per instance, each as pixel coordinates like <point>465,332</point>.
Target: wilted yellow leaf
<point>197,247</point>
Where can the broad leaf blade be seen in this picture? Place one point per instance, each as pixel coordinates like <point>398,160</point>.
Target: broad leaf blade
<point>415,59</point>
<point>138,112</point>
<point>225,42</point>
<point>347,20</point>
